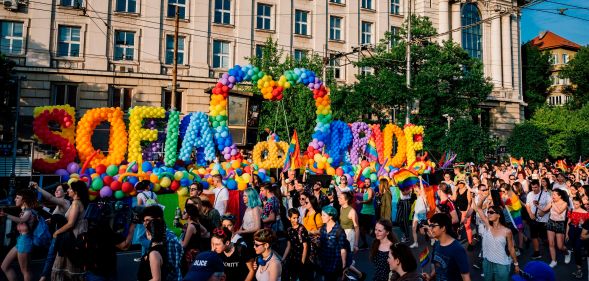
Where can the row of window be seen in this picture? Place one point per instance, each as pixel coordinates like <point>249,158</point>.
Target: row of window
<point>558,100</point>
<point>554,59</point>
<point>559,81</point>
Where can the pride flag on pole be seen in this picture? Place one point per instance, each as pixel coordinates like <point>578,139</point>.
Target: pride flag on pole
<point>516,163</point>
<point>293,156</point>
<point>371,151</point>
<point>424,257</point>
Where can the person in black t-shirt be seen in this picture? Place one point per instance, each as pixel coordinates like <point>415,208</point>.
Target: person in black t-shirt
<point>239,264</point>
<point>103,242</point>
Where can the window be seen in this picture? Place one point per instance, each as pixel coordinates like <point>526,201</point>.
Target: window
<point>335,28</point>
<point>264,16</point>
<point>301,24</point>
<point>11,37</point>
<point>367,4</point>
<point>126,6</point>
<point>554,58</point>
<point>472,36</point>
<point>565,58</point>
<point>237,109</point>
<point>365,70</point>
<point>124,45</point>
<point>394,35</point>
<point>259,51</point>
<point>395,7</point>
<point>220,54</point>
<point>170,49</point>
<point>337,1</point>
<point>335,67</point>
<point>299,54</point>
<point>181,8</point>
<point>71,3</point>
<point>366,33</point>
<point>120,97</point>
<point>65,94</point>
<point>167,100</point>
<point>222,11</point>
<point>69,41</point>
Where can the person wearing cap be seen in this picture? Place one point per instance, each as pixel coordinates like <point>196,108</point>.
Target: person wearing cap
<point>450,261</point>
<point>332,250</point>
<point>267,265</point>
<point>535,271</point>
<point>207,266</point>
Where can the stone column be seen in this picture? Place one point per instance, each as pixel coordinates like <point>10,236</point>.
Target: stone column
<point>456,23</point>
<point>507,51</point>
<point>443,19</point>
<point>496,75</point>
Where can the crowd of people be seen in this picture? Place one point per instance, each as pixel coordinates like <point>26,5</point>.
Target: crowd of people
<point>301,229</point>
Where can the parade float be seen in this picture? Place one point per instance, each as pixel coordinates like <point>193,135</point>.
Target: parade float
<point>198,146</point>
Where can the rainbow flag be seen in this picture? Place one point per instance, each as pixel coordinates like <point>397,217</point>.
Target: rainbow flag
<point>424,257</point>
<point>371,151</point>
<point>561,165</point>
<point>293,156</point>
<point>516,163</point>
<point>405,179</point>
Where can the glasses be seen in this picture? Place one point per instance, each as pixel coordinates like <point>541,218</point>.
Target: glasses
<point>228,217</point>
<point>491,213</point>
<point>193,189</point>
<point>303,199</point>
<point>256,245</point>
<point>432,225</point>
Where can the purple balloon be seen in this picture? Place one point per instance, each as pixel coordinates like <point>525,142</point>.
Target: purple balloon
<point>105,192</point>
<point>317,86</point>
<point>73,167</point>
<point>231,79</point>
<point>225,76</point>
<point>224,81</point>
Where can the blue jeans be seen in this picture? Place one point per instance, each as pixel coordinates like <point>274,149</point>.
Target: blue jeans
<point>495,271</point>
<point>49,260</point>
<point>93,277</point>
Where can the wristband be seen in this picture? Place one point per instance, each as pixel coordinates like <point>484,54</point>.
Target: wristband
<point>516,264</point>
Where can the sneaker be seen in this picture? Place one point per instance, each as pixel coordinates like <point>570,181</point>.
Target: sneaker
<point>578,274</point>
<point>536,255</point>
<point>553,264</point>
<point>414,245</point>
<point>567,257</point>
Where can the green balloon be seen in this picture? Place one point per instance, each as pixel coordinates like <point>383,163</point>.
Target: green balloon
<point>215,124</point>
<point>373,177</point>
<point>112,170</point>
<point>119,194</point>
<point>97,183</point>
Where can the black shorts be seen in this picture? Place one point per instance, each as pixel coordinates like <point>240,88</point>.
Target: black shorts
<point>537,229</point>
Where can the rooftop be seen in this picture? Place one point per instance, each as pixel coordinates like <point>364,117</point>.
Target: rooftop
<point>548,40</point>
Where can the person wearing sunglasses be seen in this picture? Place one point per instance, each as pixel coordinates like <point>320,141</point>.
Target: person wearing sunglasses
<point>450,261</point>
<point>496,236</point>
<point>267,265</point>
<point>238,262</point>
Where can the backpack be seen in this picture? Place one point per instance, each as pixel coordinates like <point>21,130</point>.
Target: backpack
<point>41,235</point>
<point>149,201</point>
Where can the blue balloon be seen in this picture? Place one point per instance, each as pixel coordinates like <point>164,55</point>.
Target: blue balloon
<point>231,184</point>
<point>146,166</point>
<point>132,180</point>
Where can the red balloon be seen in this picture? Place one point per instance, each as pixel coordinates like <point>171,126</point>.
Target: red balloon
<point>101,169</point>
<point>115,185</point>
<point>175,185</point>
<point>127,187</point>
<point>107,180</point>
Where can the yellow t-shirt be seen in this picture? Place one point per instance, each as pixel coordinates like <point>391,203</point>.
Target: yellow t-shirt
<point>311,225</point>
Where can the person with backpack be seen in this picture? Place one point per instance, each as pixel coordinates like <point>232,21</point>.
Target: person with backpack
<point>379,252</point>
<point>66,265</point>
<point>145,197</point>
<point>334,250</point>
<point>239,263</point>
<point>25,200</point>
<point>297,248</point>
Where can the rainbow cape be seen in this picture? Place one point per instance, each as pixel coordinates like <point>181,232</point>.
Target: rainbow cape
<point>424,257</point>
<point>405,179</point>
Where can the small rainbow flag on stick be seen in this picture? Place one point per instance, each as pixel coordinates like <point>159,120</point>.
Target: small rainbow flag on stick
<point>292,159</point>
<point>405,179</point>
<point>424,257</point>
<point>516,163</point>
<point>371,151</point>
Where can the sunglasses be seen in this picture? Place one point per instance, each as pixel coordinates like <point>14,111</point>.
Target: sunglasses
<point>256,245</point>
<point>193,189</point>
<point>491,213</point>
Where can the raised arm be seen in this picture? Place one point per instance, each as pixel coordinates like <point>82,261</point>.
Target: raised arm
<point>479,210</point>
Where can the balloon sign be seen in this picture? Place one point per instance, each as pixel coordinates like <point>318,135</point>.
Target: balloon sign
<point>198,135</point>
<point>414,137</point>
<point>273,150</point>
<point>341,137</point>
<point>63,140</point>
<point>117,143</point>
<point>137,133</point>
<point>359,142</point>
<point>171,148</point>
<point>399,158</point>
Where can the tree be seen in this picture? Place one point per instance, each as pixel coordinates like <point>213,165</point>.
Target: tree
<point>468,140</point>
<point>7,97</point>
<point>444,79</point>
<point>577,70</point>
<point>536,71</point>
<point>298,100</point>
<point>528,141</point>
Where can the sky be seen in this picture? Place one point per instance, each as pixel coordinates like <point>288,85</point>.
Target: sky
<point>546,16</point>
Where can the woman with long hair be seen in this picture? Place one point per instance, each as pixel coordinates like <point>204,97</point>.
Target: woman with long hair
<point>312,219</point>
<point>463,199</point>
<point>66,267</point>
<point>251,221</point>
<point>496,237</point>
<point>556,228</point>
<point>24,200</point>
<point>267,265</point>
<point>402,263</point>
<point>348,219</point>
<point>577,216</point>
<point>514,206</point>
<point>420,212</point>
<point>545,184</point>
<point>152,266</point>
<point>385,198</point>
<point>191,236</point>
<point>379,253</point>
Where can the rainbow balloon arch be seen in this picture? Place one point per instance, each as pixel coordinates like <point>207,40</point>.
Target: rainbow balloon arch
<point>336,148</point>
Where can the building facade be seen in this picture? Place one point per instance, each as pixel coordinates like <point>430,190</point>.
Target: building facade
<point>561,52</point>
<point>91,53</point>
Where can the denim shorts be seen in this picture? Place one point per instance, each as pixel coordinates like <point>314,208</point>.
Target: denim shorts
<point>24,244</point>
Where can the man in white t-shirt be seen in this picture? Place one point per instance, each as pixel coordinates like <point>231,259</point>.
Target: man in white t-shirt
<point>221,194</point>
<point>537,198</point>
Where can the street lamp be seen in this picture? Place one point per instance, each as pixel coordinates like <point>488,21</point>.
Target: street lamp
<point>449,119</point>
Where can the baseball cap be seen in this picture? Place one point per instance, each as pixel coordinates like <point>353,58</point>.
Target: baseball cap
<point>204,266</point>
<point>535,270</point>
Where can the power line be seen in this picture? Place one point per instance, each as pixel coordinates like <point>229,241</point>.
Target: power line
<point>560,14</point>
<point>569,5</point>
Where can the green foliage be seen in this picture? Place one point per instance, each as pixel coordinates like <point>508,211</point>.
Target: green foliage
<point>297,105</point>
<point>536,69</point>
<point>444,79</point>
<point>468,140</point>
<point>6,73</point>
<point>527,141</point>
<point>577,70</point>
